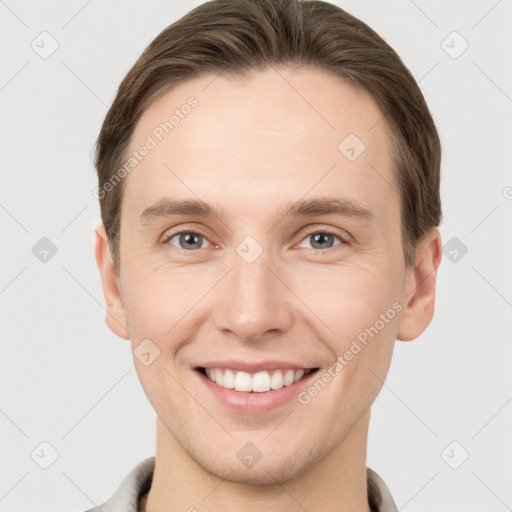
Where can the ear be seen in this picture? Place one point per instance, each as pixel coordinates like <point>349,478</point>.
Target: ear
<point>115,316</point>
<point>420,291</point>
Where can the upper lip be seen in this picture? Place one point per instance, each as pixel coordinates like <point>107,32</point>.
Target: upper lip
<point>253,366</point>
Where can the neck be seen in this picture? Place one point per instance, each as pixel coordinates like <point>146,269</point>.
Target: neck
<point>335,483</point>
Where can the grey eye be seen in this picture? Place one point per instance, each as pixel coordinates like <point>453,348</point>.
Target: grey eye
<point>321,240</point>
<point>188,240</point>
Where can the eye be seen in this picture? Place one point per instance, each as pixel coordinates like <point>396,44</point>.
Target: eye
<point>323,240</point>
<point>187,240</point>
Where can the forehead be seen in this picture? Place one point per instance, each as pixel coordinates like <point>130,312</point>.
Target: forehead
<point>252,140</point>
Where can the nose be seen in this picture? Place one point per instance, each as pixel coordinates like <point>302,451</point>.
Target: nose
<point>252,302</point>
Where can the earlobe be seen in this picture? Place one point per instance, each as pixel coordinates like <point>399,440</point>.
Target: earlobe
<point>420,292</point>
<point>115,316</point>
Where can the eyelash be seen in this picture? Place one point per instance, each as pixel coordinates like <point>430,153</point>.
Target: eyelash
<point>343,240</point>
<point>310,232</point>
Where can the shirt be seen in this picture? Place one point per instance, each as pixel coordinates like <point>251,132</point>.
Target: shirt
<point>138,482</point>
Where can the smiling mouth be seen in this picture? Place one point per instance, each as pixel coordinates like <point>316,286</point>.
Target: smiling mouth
<point>258,382</point>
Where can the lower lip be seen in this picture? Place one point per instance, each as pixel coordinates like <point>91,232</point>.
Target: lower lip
<point>255,402</point>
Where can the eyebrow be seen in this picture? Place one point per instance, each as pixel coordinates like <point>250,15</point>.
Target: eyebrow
<point>169,207</point>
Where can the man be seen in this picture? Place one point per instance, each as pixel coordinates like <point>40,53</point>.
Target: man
<point>269,189</point>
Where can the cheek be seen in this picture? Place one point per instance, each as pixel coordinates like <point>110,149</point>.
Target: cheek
<point>157,301</point>
<point>360,309</point>
<point>159,306</point>
<point>350,298</point>
<point>344,299</point>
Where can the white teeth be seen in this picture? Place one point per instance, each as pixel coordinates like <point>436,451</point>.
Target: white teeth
<point>219,377</point>
<point>229,379</point>
<point>288,377</point>
<point>298,375</point>
<point>276,382</point>
<point>258,382</point>
<point>261,382</point>
<point>243,381</point>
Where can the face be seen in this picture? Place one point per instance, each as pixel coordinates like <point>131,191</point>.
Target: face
<point>296,267</point>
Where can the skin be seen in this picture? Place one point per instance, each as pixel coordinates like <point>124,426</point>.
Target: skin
<point>250,147</point>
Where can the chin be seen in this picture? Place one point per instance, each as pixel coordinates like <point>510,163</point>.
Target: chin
<point>273,467</point>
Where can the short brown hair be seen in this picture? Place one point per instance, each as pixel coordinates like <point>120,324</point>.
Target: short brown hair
<point>238,36</point>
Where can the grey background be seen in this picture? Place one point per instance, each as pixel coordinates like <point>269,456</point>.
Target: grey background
<point>68,381</point>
